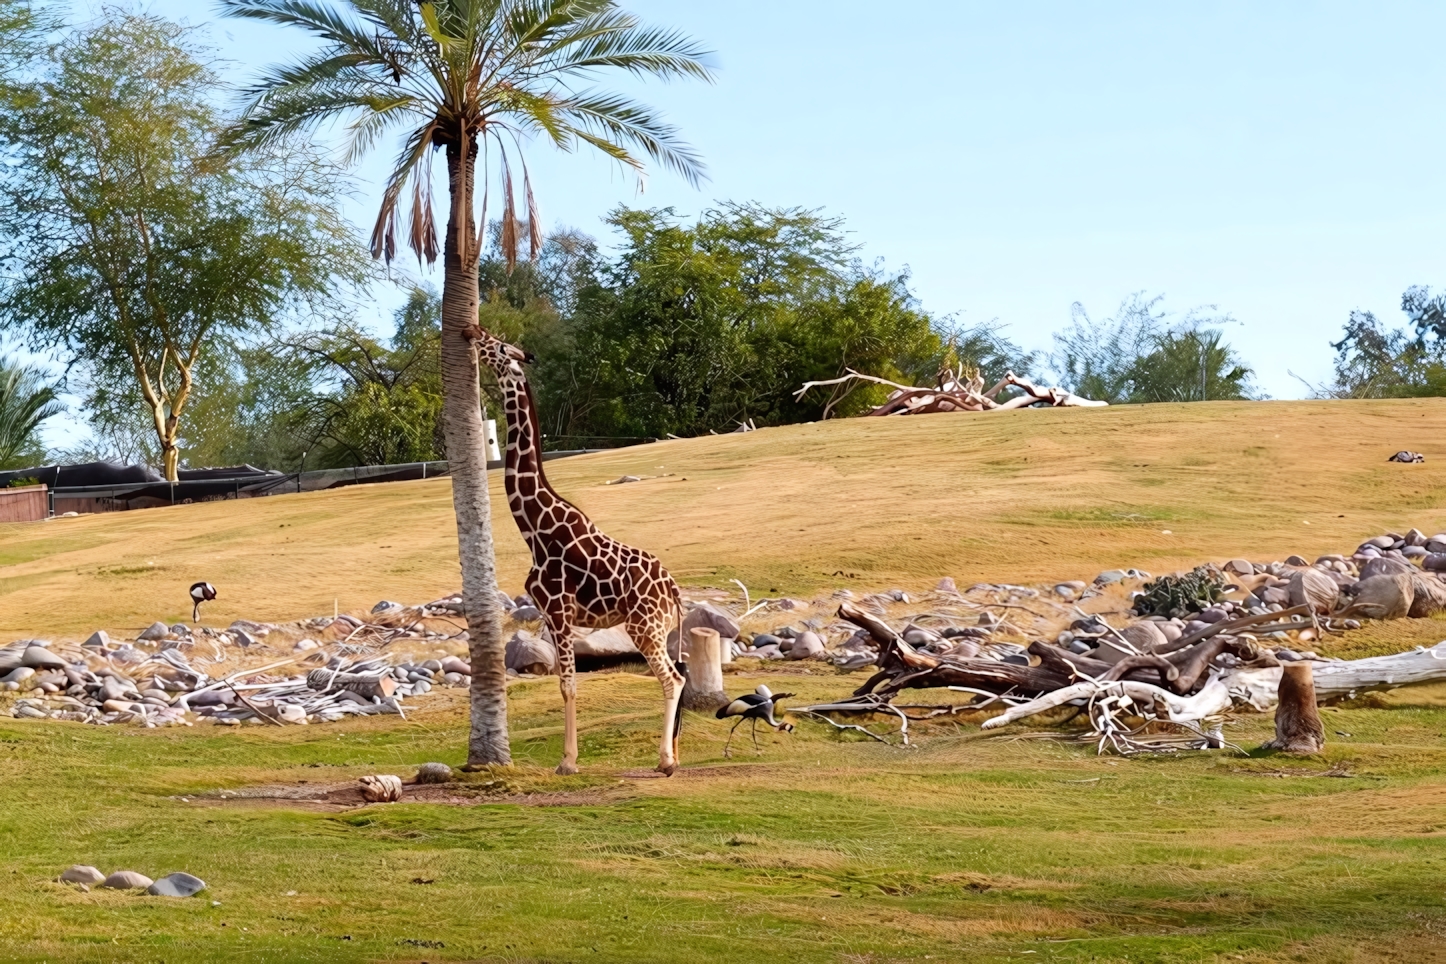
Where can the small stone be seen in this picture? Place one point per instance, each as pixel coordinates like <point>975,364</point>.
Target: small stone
<point>1380,542</point>
<point>1415,552</point>
<point>18,675</point>
<point>946,585</point>
<point>705,616</point>
<point>1109,576</point>
<point>1289,655</point>
<point>305,646</point>
<point>99,639</point>
<point>291,713</point>
<point>434,773</point>
<point>527,614</point>
<point>1414,537</point>
<point>386,605</point>
<point>82,874</point>
<point>766,639</point>
<point>382,788</point>
<point>1239,567</point>
<point>454,665</point>
<point>156,630</point>
<point>180,629</point>
<point>1435,562</point>
<point>1351,624</point>
<point>243,638</point>
<point>177,885</point>
<point>1295,561</point>
<point>127,880</point>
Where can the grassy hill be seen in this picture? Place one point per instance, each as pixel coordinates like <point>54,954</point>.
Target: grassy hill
<point>1026,495</point>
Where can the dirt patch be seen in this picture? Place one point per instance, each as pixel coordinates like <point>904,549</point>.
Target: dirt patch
<point>347,796</point>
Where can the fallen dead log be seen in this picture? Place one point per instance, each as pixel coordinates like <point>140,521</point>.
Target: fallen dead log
<point>1213,699</point>
<point>952,392</point>
<point>1337,680</point>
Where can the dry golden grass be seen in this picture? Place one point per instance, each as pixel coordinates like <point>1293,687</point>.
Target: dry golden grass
<point>1027,495</point>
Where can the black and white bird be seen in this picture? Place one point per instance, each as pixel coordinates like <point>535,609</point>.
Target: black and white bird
<point>755,706</point>
<point>200,592</point>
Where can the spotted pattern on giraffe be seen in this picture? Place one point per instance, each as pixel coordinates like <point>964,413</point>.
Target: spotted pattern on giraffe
<point>581,578</point>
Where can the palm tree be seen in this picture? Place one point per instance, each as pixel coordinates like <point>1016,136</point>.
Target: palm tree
<point>25,401</point>
<point>474,79</point>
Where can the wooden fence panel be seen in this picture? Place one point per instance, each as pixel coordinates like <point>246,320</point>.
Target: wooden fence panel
<point>27,504</point>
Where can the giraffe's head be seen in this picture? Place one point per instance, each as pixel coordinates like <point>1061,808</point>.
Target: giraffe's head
<point>502,358</point>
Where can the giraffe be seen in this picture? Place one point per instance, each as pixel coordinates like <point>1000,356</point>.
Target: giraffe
<point>581,578</point>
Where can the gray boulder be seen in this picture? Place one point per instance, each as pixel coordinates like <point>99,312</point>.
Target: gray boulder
<point>82,874</point>
<point>530,653</point>
<point>806,645</point>
<point>127,880</point>
<point>156,630</point>
<point>1386,566</point>
<point>611,643</point>
<point>1316,589</point>
<point>434,773</point>
<point>454,665</point>
<point>38,657</point>
<point>705,616</point>
<point>177,885</point>
<point>526,614</point>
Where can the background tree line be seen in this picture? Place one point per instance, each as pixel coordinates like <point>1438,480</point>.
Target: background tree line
<point>204,305</point>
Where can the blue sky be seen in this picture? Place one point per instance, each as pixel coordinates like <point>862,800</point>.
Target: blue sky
<point>1279,160</point>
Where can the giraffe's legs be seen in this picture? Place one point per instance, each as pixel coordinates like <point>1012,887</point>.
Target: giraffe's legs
<point>561,634</point>
<point>651,638</point>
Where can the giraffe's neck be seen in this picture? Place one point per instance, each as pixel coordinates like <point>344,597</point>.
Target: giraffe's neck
<point>536,507</point>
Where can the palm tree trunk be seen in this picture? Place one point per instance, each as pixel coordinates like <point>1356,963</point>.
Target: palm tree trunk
<point>467,457</point>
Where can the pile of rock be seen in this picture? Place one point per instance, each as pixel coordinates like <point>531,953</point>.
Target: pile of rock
<point>104,684</point>
<point>172,885</point>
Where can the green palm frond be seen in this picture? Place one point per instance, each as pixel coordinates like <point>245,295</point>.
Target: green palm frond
<point>465,73</point>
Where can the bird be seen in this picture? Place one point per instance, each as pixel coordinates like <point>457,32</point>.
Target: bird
<point>755,706</point>
<point>200,592</point>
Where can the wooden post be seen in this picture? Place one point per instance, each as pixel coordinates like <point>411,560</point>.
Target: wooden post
<point>704,688</point>
<point>1298,728</point>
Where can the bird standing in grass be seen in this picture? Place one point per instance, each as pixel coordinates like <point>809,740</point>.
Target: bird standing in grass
<point>200,592</point>
<point>755,706</point>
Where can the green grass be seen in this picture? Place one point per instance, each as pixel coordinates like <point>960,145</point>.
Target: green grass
<point>825,849</point>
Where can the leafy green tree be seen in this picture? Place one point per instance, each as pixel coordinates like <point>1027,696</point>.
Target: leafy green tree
<point>1373,361</point>
<point>26,400</point>
<point>1140,355</point>
<point>127,249</point>
<point>470,78</point>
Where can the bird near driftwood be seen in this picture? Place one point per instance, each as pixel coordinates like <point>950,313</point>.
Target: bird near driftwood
<point>200,592</point>
<point>755,706</point>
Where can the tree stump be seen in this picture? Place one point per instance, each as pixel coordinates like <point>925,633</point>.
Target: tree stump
<point>704,687</point>
<point>1298,728</point>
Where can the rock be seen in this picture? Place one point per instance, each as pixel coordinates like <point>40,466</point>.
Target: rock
<point>434,773</point>
<point>18,675</point>
<point>1109,576</point>
<point>290,712</point>
<point>38,657</point>
<point>526,614</point>
<point>243,638</point>
<point>766,639</point>
<point>1295,561</point>
<point>432,665</point>
<point>1380,542</point>
<point>946,585</point>
<point>180,629</point>
<point>386,605</point>
<point>177,885</point>
<point>530,653</point>
<point>785,632</point>
<point>789,605</point>
<point>1386,566</point>
<point>99,639</point>
<point>1316,589</point>
<point>1415,552</point>
<point>261,629</point>
<point>127,880</point>
<point>1383,597</point>
<point>1405,456</point>
<point>611,643</point>
<point>1288,655</point>
<point>1351,624</point>
<point>706,616</point>
<point>454,665</point>
<point>114,688</point>
<point>1436,543</point>
<point>1145,636</point>
<point>766,652</point>
<point>156,630</point>
<point>1414,537</point>
<point>1435,562</point>
<point>806,645</point>
<point>968,648</point>
<point>1212,615</point>
<point>82,874</point>
<point>1239,567</point>
<point>1275,596</point>
<point>382,788</point>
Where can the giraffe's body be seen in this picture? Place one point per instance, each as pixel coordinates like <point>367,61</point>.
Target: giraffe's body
<point>581,578</point>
